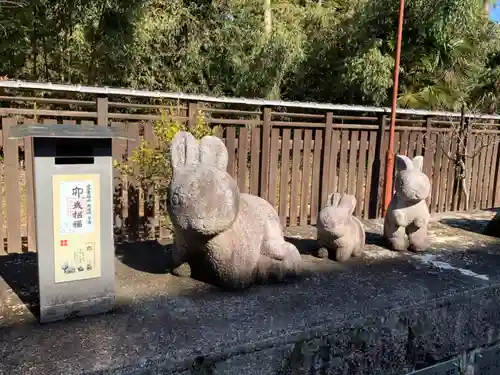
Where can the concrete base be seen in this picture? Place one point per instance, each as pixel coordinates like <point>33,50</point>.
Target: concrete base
<point>93,306</point>
<point>387,313</point>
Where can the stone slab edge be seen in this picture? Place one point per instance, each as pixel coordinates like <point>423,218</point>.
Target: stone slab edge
<point>393,341</point>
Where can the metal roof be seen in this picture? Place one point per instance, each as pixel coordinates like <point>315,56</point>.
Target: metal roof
<point>26,85</point>
<point>65,131</point>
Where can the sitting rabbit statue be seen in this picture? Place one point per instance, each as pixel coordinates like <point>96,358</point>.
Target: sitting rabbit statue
<point>338,231</point>
<point>406,220</point>
<point>227,238</point>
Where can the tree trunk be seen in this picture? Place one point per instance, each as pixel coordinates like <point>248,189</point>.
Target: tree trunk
<point>465,192</point>
<point>460,190</point>
<point>69,34</point>
<point>45,58</point>
<point>95,45</point>
<point>488,3</point>
<point>34,44</point>
<point>268,26</point>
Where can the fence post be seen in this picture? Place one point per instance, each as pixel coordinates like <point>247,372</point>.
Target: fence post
<point>192,114</point>
<point>377,183</point>
<point>265,136</point>
<point>427,147</point>
<point>12,191</point>
<point>325,165</point>
<point>102,111</point>
<point>30,192</point>
<point>496,192</point>
<point>3,210</point>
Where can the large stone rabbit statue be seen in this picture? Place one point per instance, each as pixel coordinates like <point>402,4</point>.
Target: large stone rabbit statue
<point>228,238</point>
<point>340,233</point>
<point>405,224</point>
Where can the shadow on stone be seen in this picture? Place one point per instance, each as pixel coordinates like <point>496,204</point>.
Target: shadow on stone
<point>375,238</point>
<point>474,226</point>
<point>20,272</point>
<point>493,226</point>
<point>306,246</point>
<point>146,256</point>
<point>153,257</point>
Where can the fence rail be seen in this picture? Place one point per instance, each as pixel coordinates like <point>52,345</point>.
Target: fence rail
<point>292,156</point>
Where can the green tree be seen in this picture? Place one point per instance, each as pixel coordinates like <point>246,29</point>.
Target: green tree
<point>151,165</point>
<point>330,50</point>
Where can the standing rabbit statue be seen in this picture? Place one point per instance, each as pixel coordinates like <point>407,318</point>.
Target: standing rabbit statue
<point>339,232</point>
<point>228,238</point>
<point>405,224</point>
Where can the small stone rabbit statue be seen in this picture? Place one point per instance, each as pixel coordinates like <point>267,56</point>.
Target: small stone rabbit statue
<point>340,233</point>
<point>406,220</point>
<point>227,238</point>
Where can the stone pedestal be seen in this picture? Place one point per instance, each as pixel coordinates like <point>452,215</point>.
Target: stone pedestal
<point>72,168</point>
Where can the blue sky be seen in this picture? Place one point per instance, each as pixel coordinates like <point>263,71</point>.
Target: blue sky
<point>495,14</point>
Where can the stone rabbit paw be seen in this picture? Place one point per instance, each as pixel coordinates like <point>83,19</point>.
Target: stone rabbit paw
<point>419,222</point>
<point>400,218</point>
<point>184,270</point>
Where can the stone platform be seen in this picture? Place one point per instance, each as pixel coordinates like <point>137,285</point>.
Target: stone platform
<point>387,313</point>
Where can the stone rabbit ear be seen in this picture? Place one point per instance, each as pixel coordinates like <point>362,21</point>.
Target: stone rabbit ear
<point>348,202</point>
<point>333,199</point>
<point>403,163</point>
<point>418,163</point>
<point>213,152</point>
<point>184,150</point>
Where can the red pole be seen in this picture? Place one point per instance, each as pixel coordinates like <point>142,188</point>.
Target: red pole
<point>389,164</point>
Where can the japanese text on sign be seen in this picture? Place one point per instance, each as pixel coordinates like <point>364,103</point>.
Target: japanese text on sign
<point>76,205</point>
<point>77,250</point>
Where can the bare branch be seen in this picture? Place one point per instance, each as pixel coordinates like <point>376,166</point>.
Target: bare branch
<point>445,152</point>
<point>12,3</point>
<point>448,155</point>
<point>459,136</point>
<point>477,150</point>
<point>441,146</point>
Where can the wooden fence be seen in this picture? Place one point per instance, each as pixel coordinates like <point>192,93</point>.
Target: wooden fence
<point>292,157</point>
